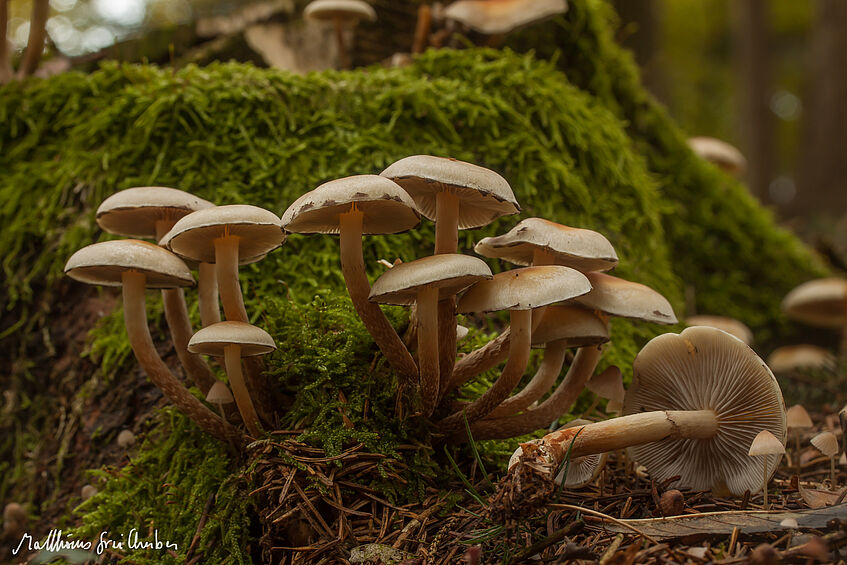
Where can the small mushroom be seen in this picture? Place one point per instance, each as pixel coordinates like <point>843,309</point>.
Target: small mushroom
<point>827,443</point>
<point>719,153</point>
<point>342,13</point>
<point>820,303</point>
<point>14,521</point>
<point>609,385</point>
<point>87,492</point>
<point>797,419</point>
<point>126,439</point>
<point>729,325</point>
<point>764,445</point>
<point>233,340</point>
<point>219,395</point>
<point>671,503</point>
<point>461,332</point>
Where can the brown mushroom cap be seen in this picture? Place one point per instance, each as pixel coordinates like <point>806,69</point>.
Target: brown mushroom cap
<point>493,17</point>
<point>581,249</point>
<point>826,443</point>
<point>387,208</point>
<point>104,264</point>
<point>793,357</point>
<point>720,153</point>
<point>449,272</point>
<point>134,212</point>
<point>345,10</point>
<point>608,384</point>
<point>483,195</point>
<point>729,325</point>
<point>212,339</point>
<point>704,368</point>
<point>193,236</point>
<point>524,289</point>
<point>797,418</point>
<point>619,297</point>
<point>818,303</point>
<point>578,327</point>
<point>765,443</point>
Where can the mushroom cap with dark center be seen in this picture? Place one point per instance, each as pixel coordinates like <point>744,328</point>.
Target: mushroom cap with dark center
<point>720,153</point>
<point>729,325</point>
<point>576,326</point>
<point>819,303</point>
<point>257,229</point>
<point>797,357</point>
<point>386,207</point>
<point>483,195</point>
<point>134,212</point>
<point>104,264</point>
<point>212,339</point>
<point>704,368</point>
<point>619,297</point>
<point>502,16</point>
<point>345,10</point>
<point>449,272</point>
<point>524,289</point>
<point>581,249</point>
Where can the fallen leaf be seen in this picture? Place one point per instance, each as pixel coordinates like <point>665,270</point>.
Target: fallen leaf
<point>818,498</point>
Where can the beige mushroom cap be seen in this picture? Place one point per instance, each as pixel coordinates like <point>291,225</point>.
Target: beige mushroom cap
<point>721,153</point>
<point>619,297</point>
<point>212,339</point>
<point>461,332</point>
<point>524,289</point>
<point>134,212</point>
<point>797,418</point>
<point>729,325</point>
<point>704,368</point>
<point>608,384</point>
<point>793,357</point>
<point>818,303</point>
<point>219,393</point>
<point>387,208</point>
<point>502,16</point>
<point>578,327</point>
<point>104,264</point>
<point>826,443</point>
<point>765,443</point>
<point>483,195</point>
<point>449,272</point>
<point>346,10</point>
<point>258,231</point>
<point>581,249</point>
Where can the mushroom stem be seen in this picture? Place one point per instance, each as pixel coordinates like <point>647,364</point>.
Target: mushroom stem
<point>832,471</point>
<point>520,323</point>
<point>381,330</point>
<point>446,222</point>
<point>542,381</point>
<point>343,57</point>
<point>558,403</point>
<point>480,360</point>
<point>446,341</point>
<point>428,359</point>
<point>176,314</point>
<point>765,481</point>
<point>446,241</point>
<point>135,319</point>
<point>207,294</point>
<point>226,265</point>
<point>232,359</point>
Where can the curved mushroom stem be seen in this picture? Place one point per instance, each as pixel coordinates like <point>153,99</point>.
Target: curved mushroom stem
<point>135,319</point>
<point>428,359</point>
<point>207,294</point>
<point>446,342</point>
<point>521,321</point>
<point>176,314</point>
<point>542,381</point>
<point>232,358</point>
<point>381,330</point>
<point>558,403</point>
<point>226,267</point>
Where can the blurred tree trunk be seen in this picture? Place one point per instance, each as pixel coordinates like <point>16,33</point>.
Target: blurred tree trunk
<point>641,22</point>
<point>752,42</point>
<point>822,171</point>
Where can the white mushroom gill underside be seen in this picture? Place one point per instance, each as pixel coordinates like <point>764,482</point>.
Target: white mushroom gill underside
<point>704,368</point>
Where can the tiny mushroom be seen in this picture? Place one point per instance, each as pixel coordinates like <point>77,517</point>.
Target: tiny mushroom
<point>233,340</point>
<point>342,13</point>
<point>496,17</point>
<point>827,443</point>
<point>609,385</point>
<point>136,265</point>
<point>87,491</point>
<point>729,325</point>
<point>797,419</point>
<point>719,153</point>
<point>219,395</point>
<point>820,303</point>
<point>14,521</point>
<point>764,445</point>
<point>126,439</point>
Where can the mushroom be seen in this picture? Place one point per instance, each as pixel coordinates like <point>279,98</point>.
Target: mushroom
<point>423,282</point>
<point>87,491</point>
<point>609,385</point>
<point>618,297</point>
<point>827,443</point>
<point>233,340</point>
<point>461,332</point>
<point>729,325</point>
<point>518,291</point>
<point>341,13</point>
<point>352,207</point>
<point>797,419</point>
<point>219,395</point>
<point>126,439</point>
<point>497,17</point>
<point>14,521</point>
<point>764,445</point>
<point>136,265</point>
<point>150,212</point>
<point>455,195</point>
<point>791,358</point>
<point>719,153</point>
<point>820,303</point>
<point>696,401</point>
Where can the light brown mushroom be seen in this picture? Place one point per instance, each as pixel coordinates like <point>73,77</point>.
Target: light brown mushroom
<point>766,445</point>
<point>796,419</point>
<point>496,17</point>
<point>219,395</point>
<point>343,14</point>
<point>719,153</point>
<point>820,303</point>
<point>135,265</point>
<point>790,358</point>
<point>609,385</point>
<point>827,443</point>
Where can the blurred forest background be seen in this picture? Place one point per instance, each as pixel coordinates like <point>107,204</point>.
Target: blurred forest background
<point>763,75</point>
